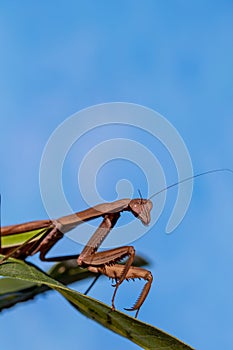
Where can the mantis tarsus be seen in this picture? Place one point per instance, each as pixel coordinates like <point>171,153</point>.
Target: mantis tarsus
<point>40,236</point>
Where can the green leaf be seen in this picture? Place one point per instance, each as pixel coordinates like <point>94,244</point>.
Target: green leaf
<point>13,291</point>
<point>14,240</point>
<point>145,335</point>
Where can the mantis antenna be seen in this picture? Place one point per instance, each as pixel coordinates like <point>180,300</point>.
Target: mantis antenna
<point>140,194</point>
<point>190,178</point>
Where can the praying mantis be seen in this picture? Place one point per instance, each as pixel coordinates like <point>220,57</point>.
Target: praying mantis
<point>42,235</point>
<point>23,240</point>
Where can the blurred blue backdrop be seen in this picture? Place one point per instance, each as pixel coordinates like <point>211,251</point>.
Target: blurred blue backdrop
<point>175,57</point>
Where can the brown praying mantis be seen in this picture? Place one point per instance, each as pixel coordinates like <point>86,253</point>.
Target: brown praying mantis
<point>23,240</point>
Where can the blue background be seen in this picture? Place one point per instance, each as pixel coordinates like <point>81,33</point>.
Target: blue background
<point>172,56</point>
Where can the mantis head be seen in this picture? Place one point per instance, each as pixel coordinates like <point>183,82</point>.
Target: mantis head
<point>141,209</point>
